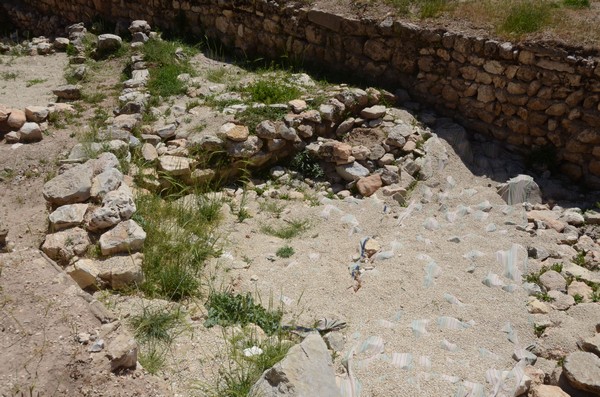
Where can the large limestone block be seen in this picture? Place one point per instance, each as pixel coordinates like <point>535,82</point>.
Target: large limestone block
<point>305,371</point>
<point>72,186</point>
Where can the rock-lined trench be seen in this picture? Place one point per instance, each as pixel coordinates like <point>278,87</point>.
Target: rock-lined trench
<point>418,278</point>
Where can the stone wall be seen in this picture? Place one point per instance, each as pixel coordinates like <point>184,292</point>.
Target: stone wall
<point>524,94</point>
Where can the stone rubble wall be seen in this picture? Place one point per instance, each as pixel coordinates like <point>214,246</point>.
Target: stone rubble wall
<point>526,95</point>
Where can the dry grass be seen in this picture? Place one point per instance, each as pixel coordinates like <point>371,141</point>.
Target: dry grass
<point>571,21</point>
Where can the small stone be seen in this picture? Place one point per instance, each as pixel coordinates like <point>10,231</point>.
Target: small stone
<point>582,369</point>
<point>237,133</point>
<point>36,114</point>
<point>122,271</point>
<point>84,272</point>
<point>109,43</point>
<point>68,92</point>
<point>30,132</point>
<point>591,345</point>
<point>67,216</point>
<point>352,171</point>
<point>561,301</point>
<point>548,391</point>
<point>523,354</point>
<point>16,119</point>
<point>98,346</point>
<point>105,182</point>
<point>374,112</point>
<point>122,352</point>
<point>537,307</point>
<point>166,132</point>
<point>126,237</point>
<point>579,288</point>
<point>553,280</point>
<point>175,165</point>
<point>149,152</point>
<point>372,246</point>
<point>298,105</point>
<point>66,244</point>
<point>369,185</point>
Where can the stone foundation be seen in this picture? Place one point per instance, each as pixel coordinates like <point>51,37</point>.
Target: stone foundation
<point>527,95</point>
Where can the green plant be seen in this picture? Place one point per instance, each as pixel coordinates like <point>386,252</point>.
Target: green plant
<point>243,213</point>
<point>270,91</point>
<point>538,330</point>
<point>218,76</point>
<point>306,164</point>
<point>557,267</point>
<point>152,357</point>
<point>93,98</point>
<point>155,324</point>
<point>544,297</point>
<point>285,252</point>
<point>241,372</point>
<point>272,207</point>
<point>526,17</point>
<point>288,231</point>
<point>225,308</point>
<point>180,237</point>
<point>167,60</point>
<point>9,75</point>
<point>433,8</point>
<point>578,298</point>
<point>253,115</point>
<point>33,82</point>
<point>191,104</point>
<point>579,259</point>
<point>577,3</point>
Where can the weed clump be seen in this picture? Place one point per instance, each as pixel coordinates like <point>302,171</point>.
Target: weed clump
<point>180,238</point>
<point>526,17</point>
<point>292,229</point>
<point>225,308</point>
<point>307,165</point>
<point>169,60</point>
<point>285,252</point>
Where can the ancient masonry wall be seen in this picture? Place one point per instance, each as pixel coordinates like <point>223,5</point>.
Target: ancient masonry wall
<point>526,95</point>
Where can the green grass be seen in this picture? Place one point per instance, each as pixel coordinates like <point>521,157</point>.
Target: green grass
<point>165,66</point>
<point>225,309</point>
<point>285,252</point>
<point>271,91</point>
<point>32,82</point>
<point>9,76</point>
<point>272,207</point>
<point>544,297</point>
<point>218,76</point>
<point>179,240</point>
<point>240,373</point>
<point>152,357</point>
<point>577,3</point>
<point>579,259</point>
<point>578,298</point>
<point>93,98</point>
<point>288,231</point>
<point>421,8</point>
<point>304,163</point>
<point>156,324</point>
<point>253,116</point>
<point>527,17</point>
<point>538,330</point>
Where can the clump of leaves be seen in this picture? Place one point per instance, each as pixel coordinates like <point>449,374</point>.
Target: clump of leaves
<point>269,91</point>
<point>306,164</point>
<point>225,308</point>
<point>285,252</point>
<point>538,330</point>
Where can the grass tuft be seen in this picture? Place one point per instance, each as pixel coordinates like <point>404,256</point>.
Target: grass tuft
<point>166,66</point>
<point>527,17</point>
<point>156,324</point>
<point>180,238</point>
<point>292,229</point>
